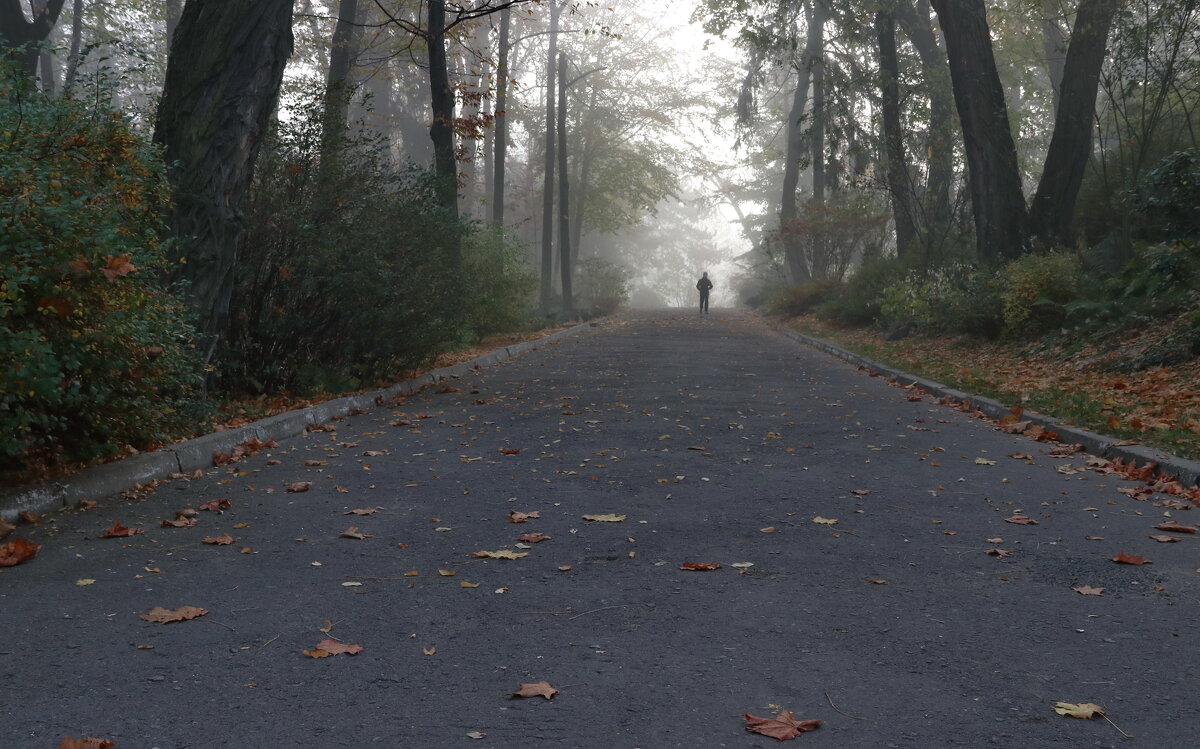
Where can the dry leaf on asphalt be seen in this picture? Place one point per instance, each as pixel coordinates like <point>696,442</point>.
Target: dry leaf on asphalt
<point>998,553</point>
<point>166,616</point>
<point>1087,590</point>
<point>447,573</point>
<point>88,743</point>
<point>327,648</point>
<point>782,727</point>
<point>1124,558</point>
<point>521,517</point>
<point>354,532</point>
<point>1020,520</point>
<point>116,530</point>
<point>216,505</point>
<point>222,540</point>
<point>824,521</point>
<point>534,538</point>
<point>1163,538</point>
<point>860,492</point>
<point>465,584</point>
<point>700,566</point>
<point>609,518</point>
<point>16,551</point>
<point>1171,525</point>
<point>501,554</point>
<point>1081,710</point>
<point>428,651</point>
<point>363,511</point>
<point>299,486</point>
<point>179,522</point>
<point>539,689</point>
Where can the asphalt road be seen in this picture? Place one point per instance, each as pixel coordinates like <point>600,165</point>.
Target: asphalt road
<point>720,442</point>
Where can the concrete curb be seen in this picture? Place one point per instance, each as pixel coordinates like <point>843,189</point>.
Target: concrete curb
<point>1186,472</point>
<point>120,475</point>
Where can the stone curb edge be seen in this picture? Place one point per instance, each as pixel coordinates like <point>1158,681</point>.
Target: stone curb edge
<point>183,457</point>
<point>1186,472</point>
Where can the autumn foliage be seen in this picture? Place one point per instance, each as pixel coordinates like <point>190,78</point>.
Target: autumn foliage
<point>94,350</point>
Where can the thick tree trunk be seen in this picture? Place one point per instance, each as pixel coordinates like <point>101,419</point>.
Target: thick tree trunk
<point>221,87</point>
<point>1052,212</point>
<point>76,50</point>
<point>548,178</point>
<point>174,10</point>
<point>500,139</point>
<point>940,143</point>
<point>441,127</point>
<point>896,164</point>
<point>793,248</point>
<point>342,51</point>
<point>996,197</point>
<point>564,203</point>
<point>46,71</point>
<point>17,32</point>
<point>1054,44</point>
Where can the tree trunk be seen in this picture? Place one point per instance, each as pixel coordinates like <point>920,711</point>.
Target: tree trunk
<point>940,143</point>
<point>500,139</point>
<point>792,247</point>
<point>17,32</point>
<point>996,197</point>
<point>174,10</point>
<point>896,164</point>
<point>441,127</point>
<point>221,87</point>
<point>548,178</point>
<point>1054,43</point>
<point>76,50</point>
<point>1052,212</point>
<point>46,71</point>
<point>564,203</point>
<point>342,51</point>
<point>816,138</point>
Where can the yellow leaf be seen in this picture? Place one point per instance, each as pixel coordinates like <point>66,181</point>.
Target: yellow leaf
<point>824,521</point>
<point>609,518</point>
<point>465,584</point>
<point>84,581</point>
<point>447,573</point>
<point>984,462</point>
<point>1082,710</point>
<point>428,651</point>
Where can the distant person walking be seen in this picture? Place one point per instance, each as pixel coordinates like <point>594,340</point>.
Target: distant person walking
<point>704,284</point>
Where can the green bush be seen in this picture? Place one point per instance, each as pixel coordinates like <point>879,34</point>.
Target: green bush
<point>500,289</point>
<point>951,298</point>
<point>860,301</point>
<point>802,298</point>
<point>603,286</point>
<point>1166,203</point>
<point>95,352</point>
<point>1037,292</point>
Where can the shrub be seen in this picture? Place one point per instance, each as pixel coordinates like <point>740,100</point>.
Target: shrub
<point>1037,290</point>
<point>951,298</point>
<point>500,288</point>
<point>603,285</point>
<point>860,300</point>
<point>802,298</point>
<point>1165,201</point>
<point>95,352</point>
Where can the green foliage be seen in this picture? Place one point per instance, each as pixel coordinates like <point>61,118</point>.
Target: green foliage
<point>603,286</point>
<point>800,299</point>
<point>861,299</point>
<point>1037,290</point>
<point>1166,203</point>
<point>95,352</point>
<point>951,298</point>
<point>500,288</point>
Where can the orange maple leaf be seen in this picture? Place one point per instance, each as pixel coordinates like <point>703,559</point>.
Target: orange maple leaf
<point>326,648</point>
<point>166,616</point>
<point>117,266</point>
<point>16,551</point>
<point>1123,558</point>
<point>116,530</point>
<point>538,689</point>
<point>782,727</point>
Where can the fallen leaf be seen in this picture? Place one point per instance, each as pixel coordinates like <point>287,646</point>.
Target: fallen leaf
<point>327,648</point>
<point>534,538</point>
<point>178,523</point>
<point>362,511</point>
<point>521,517</point>
<point>538,689</point>
<point>476,735</point>
<point>354,532</point>
<point>116,530</point>
<point>768,529</point>
<point>327,628</point>
<point>877,581</point>
<point>564,568</point>
<point>16,551</point>
<point>85,581</point>
<point>87,743</point>
<point>610,518</point>
<point>1093,538</point>
<point>216,505</point>
<point>117,266</point>
<point>998,553</point>
<point>861,492</point>
<point>413,573</point>
<point>1163,538</point>
<point>222,540</point>
<point>501,554</point>
<point>1081,710</point>
<point>1124,558</point>
<point>299,486</point>
<point>700,566</point>
<point>166,616</point>
<point>1087,590</point>
<point>1020,520</point>
<point>984,462</point>
<point>824,521</point>
<point>374,453</point>
<point>782,727</point>
<point>510,450</point>
<point>465,584</point>
<point>1171,525</point>
<point>447,573</point>
<point>428,651</point>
